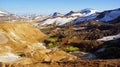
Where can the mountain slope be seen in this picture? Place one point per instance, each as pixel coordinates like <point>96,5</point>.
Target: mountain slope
<point>87,18</point>
<point>109,16</point>
<point>58,20</point>
<point>21,43</point>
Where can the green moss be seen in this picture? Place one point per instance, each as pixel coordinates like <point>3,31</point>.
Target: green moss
<point>54,39</point>
<point>70,48</point>
<point>51,45</point>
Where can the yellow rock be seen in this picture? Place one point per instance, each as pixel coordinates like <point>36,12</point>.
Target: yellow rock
<point>18,35</point>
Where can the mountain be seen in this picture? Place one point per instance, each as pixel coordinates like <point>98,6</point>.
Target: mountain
<point>57,14</point>
<point>58,20</point>
<point>73,13</point>
<point>87,18</point>
<point>6,16</point>
<point>109,16</point>
<point>82,13</point>
<point>40,18</point>
<point>3,12</point>
<point>88,11</point>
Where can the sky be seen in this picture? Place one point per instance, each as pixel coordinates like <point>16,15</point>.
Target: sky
<point>45,7</point>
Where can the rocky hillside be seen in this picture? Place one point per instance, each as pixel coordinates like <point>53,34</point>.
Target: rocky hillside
<point>19,34</point>
<point>21,43</point>
<point>76,38</point>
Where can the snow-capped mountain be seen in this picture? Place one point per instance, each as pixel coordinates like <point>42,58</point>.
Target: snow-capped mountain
<point>6,16</point>
<point>40,17</point>
<point>58,20</point>
<point>89,11</point>
<point>57,14</point>
<point>87,14</point>
<point>109,16</point>
<point>87,18</point>
<point>3,12</point>
<point>82,13</point>
<point>72,13</point>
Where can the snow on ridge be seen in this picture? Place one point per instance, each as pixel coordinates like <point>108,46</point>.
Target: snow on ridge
<point>110,15</point>
<point>77,14</point>
<point>82,16</point>
<point>87,18</point>
<point>58,20</point>
<point>1,12</point>
<point>82,13</point>
<point>90,14</point>
<point>108,38</point>
<point>85,15</point>
<point>73,13</point>
<point>89,11</point>
<point>57,14</point>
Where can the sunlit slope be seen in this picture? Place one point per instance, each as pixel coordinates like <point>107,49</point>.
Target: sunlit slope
<point>17,36</point>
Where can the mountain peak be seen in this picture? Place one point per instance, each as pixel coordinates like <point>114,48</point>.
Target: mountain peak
<point>3,12</point>
<point>57,14</point>
<point>89,11</point>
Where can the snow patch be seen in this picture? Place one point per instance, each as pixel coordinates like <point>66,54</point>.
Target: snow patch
<point>58,20</point>
<point>76,14</point>
<point>87,18</point>
<point>88,11</point>
<point>1,12</point>
<point>108,38</point>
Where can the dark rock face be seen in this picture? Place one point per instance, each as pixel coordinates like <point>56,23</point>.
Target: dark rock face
<point>69,13</point>
<point>56,14</point>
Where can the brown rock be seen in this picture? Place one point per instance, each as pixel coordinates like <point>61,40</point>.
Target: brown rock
<point>59,55</point>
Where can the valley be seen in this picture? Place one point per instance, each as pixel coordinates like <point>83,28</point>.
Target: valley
<point>86,38</point>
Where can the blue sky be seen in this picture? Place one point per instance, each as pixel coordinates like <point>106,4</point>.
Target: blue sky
<point>50,6</point>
